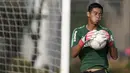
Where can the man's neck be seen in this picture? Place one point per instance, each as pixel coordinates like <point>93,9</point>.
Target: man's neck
<point>91,27</point>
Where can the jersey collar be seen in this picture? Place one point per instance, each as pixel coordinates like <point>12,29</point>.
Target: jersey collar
<point>98,27</point>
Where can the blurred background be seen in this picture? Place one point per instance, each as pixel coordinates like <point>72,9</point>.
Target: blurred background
<point>117,18</point>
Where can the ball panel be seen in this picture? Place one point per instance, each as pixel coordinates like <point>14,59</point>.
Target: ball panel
<point>99,41</point>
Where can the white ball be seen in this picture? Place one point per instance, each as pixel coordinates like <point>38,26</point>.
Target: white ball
<point>97,45</point>
<point>98,42</point>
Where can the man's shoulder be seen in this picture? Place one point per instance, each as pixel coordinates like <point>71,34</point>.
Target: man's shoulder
<point>79,28</point>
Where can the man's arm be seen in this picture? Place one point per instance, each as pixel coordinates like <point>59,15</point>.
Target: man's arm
<point>75,51</point>
<point>112,49</point>
<point>113,52</point>
<point>78,42</point>
<point>75,48</point>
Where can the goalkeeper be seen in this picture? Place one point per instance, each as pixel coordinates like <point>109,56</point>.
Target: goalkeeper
<point>92,61</point>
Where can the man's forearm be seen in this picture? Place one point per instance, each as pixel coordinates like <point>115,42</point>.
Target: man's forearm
<point>113,53</point>
<point>75,50</point>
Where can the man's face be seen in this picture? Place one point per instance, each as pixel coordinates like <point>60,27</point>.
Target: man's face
<point>95,15</point>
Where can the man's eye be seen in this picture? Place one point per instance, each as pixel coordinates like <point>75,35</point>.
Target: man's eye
<point>94,12</point>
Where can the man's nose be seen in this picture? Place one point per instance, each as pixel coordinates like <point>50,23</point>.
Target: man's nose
<point>98,15</point>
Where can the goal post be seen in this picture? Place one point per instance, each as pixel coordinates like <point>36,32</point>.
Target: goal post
<point>65,37</point>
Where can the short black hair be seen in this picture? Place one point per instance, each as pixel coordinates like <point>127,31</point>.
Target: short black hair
<point>94,5</point>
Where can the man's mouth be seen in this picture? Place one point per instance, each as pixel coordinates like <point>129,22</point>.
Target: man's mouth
<point>97,20</point>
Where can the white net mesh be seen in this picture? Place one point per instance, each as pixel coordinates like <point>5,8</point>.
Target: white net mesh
<point>30,36</point>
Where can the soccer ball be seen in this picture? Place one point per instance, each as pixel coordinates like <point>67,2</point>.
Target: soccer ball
<point>99,40</point>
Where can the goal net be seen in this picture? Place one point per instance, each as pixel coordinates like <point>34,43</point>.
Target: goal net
<point>30,36</point>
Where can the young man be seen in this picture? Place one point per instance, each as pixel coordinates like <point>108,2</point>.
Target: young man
<point>92,61</point>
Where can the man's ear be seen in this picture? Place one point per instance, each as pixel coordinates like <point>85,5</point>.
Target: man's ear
<point>88,14</point>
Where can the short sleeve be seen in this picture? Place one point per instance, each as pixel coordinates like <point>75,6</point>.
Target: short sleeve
<point>112,38</point>
<point>75,37</point>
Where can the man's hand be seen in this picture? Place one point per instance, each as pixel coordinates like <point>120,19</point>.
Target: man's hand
<point>103,35</point>
<point>100,35</point>
<point>107,37</point>
<point>84,40</point>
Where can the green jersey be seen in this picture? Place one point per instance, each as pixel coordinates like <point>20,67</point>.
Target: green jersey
<point>89,57</point>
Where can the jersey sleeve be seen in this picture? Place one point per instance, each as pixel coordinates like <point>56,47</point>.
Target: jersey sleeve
<point>75,37</point>
<point>111,38</point>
